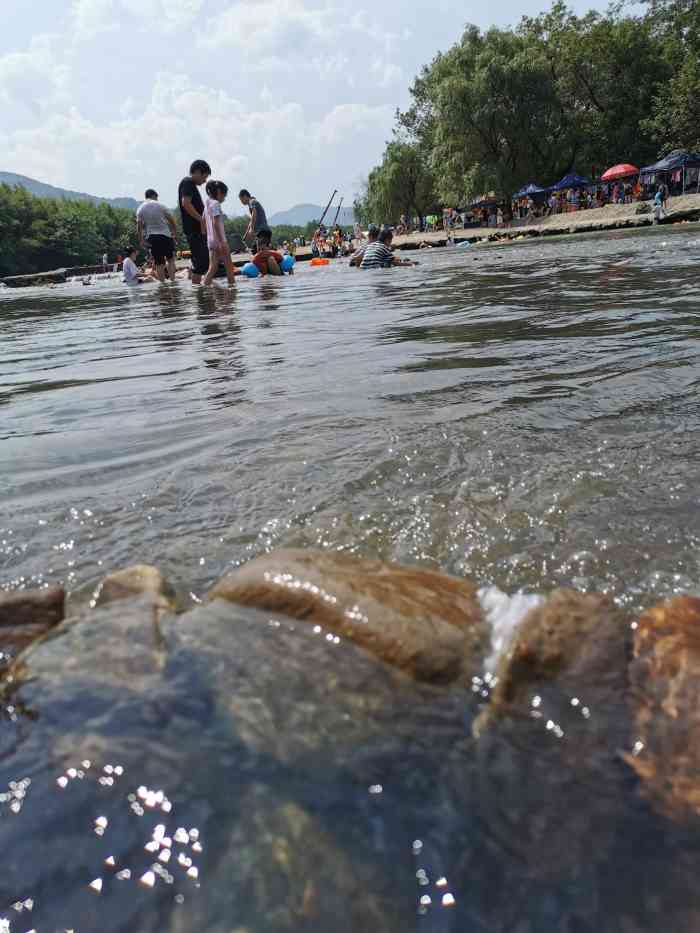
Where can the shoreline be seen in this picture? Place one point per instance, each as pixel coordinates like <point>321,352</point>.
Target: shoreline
<point>683,208</point>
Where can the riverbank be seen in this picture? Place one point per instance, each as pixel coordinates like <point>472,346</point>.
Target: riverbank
<point>611,217</point>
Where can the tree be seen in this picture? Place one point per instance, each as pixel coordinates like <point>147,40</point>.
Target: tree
<point>490,111</point>
<point>402,184</point>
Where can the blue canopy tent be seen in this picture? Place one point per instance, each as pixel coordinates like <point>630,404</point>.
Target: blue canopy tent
<point>571,181</point>
<point>678,159</point>
<point>529,190</point>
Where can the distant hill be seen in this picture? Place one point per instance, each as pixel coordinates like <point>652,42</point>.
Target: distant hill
<point>42,190</point>
<point>302,214</point>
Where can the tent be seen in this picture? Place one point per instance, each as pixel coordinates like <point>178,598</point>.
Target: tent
<point>571,181</point>
<point>529,190</point>
<point>679,158</point>
<point>624,170</point>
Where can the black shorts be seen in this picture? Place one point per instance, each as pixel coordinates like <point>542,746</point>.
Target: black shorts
<point>162,247</point>
<point>200,253</point>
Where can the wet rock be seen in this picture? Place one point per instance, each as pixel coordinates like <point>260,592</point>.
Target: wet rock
<point>265,737</point>
<point>141,578</point>
<point>574,646</point>
<point>425,623</point>
<point>665,682</point>
<point>552,790</point>
<point>28,614</point>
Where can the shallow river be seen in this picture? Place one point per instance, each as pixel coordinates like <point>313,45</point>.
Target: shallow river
<point>525,415</point>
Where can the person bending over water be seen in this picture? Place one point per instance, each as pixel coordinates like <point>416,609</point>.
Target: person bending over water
<point>258,219</point>
<point>267,259</point>
<point>216,235</point>
<point>379,256</point>
<point>193,223</point>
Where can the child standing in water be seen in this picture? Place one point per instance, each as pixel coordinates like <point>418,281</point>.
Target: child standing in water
<point>216,237</point>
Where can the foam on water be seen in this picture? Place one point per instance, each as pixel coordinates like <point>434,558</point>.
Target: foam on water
<point>504,613</point>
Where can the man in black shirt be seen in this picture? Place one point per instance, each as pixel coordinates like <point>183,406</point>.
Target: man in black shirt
<point>192,212</point>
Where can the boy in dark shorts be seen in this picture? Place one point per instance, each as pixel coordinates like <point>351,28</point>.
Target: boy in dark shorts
<point>192,212</point>
<point>156,227</point>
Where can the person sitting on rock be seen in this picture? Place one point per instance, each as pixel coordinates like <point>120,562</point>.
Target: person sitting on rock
<point>267,259</point>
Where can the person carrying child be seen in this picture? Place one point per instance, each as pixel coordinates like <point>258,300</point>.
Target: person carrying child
<point>216,236</point>
<point>267,259</point>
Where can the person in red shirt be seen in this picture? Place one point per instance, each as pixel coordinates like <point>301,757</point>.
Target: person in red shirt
<point>266,259</point>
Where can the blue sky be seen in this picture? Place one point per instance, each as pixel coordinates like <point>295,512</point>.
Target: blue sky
<point>290,98</point>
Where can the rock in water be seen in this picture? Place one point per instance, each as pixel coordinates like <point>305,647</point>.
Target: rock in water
<point>425,623</point>
<point>549,782</point>
<point>572,644</point>
<point>132,581</point>
<point>304,767</point>
<point>665,680</point>
<point>27,615</point>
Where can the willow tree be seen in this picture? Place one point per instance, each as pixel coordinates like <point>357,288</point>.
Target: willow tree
<point>402,184</point>
<point>489,110</point>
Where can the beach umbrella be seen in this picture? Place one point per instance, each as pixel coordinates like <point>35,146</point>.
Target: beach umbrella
<point>619,171</point>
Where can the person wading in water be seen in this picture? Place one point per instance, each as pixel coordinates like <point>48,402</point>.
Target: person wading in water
<point>192,212</point>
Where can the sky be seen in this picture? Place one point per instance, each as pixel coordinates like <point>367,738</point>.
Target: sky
<point>288,98</point>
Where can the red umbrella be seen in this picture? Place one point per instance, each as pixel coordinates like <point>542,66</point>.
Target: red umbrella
<point>620,171</point>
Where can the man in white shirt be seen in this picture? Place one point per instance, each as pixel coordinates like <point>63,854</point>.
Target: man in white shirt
<point>156,225</point>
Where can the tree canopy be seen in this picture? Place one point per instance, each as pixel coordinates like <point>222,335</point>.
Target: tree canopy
<point>557,93</point>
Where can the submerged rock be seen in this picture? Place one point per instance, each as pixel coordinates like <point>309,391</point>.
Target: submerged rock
<point>574,644</point>
<point>302,769</point>
<point>549,779</point>
<point>425,623</point>
<point>27,615</point>
<point>665,680</point>
<point>140,578</point>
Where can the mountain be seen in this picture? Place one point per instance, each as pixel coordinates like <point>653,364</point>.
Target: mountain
<point>42,190</point>
<point>302,214</point>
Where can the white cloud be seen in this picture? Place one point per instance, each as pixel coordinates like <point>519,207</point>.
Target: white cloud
<point>92,17</point>
<point>289,98</point>
<point>31,78</point>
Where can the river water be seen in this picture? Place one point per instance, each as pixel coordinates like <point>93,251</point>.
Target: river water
<point>526,415</point>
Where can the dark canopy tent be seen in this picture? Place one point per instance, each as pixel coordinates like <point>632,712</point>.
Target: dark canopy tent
<point>679,158</point>
<point>571,181</point>
<point>529,190</point>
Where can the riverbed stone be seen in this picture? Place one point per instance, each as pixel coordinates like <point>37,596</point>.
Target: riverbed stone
<point>422,622</point>
<point>131,581</point>
<point>552,787</point>
<point>28,614</point>
<point>665,691</point>
<point>574,644</point>
<point>295,759</point>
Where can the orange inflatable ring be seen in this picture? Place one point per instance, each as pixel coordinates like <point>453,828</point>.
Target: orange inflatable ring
<point>317,261</point>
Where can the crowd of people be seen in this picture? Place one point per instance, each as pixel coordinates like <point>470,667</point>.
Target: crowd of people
<point>203,227</point>
<point>209,251</point>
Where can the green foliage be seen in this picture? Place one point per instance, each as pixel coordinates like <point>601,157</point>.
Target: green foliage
<point>675,119</point>
<point>402,184</point>
<point>39,234</point>
<point>559,92</point>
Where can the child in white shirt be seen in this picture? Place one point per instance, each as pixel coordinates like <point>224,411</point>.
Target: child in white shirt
<point>216,237</point>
